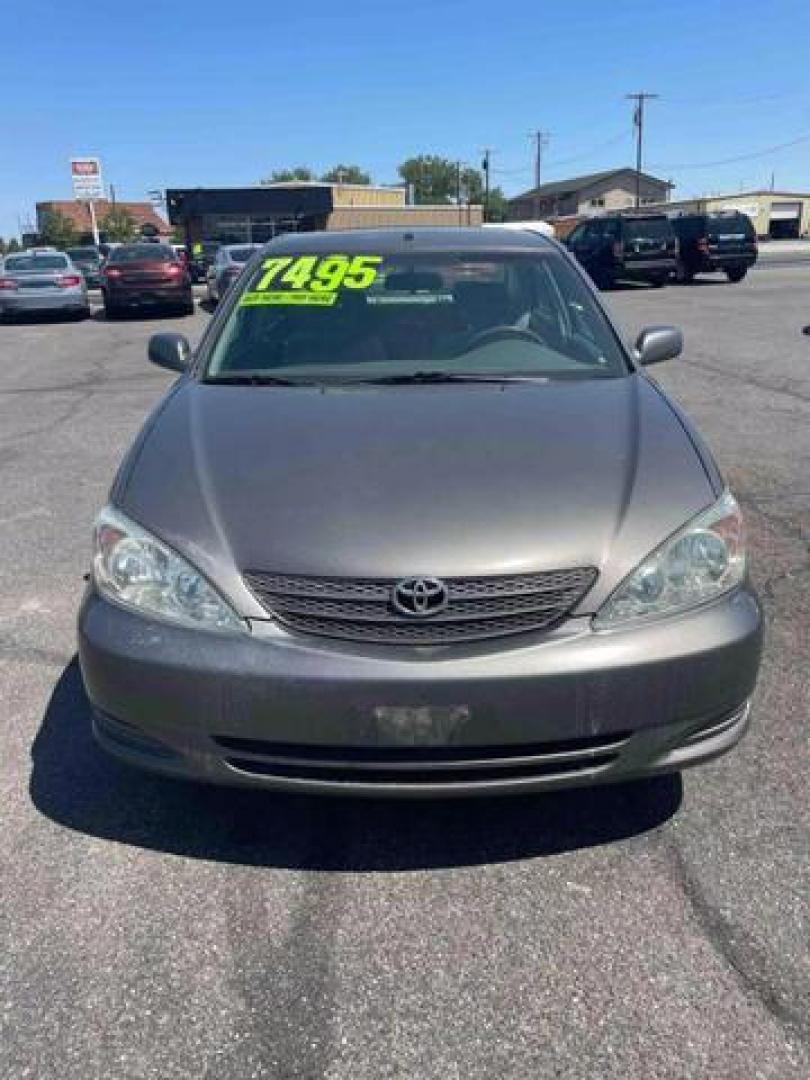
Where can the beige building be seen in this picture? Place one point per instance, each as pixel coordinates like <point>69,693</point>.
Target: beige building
<point>380,217</point>
<point>367,195</point>
<point>583,196</point>
<point>778,215</point>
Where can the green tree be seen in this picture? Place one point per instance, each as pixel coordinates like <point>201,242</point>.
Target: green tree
<point>439,180</point>
<point>288,176</point>
<point>57,230</point>
<point>118,225</point>
<point>13,245</point>
<point>2,246</point>
<point>346,174</point>
<point>498,205</point>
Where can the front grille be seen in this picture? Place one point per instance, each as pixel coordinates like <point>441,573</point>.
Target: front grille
<point>361,609</point>
<point>414,766</point>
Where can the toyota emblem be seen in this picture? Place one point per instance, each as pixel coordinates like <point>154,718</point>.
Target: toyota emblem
<point>420,596</point>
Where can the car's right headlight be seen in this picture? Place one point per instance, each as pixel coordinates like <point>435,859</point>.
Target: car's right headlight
<point>139,571</point>
<point>703,560</point>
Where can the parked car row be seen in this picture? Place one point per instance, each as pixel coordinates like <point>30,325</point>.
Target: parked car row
<point>655,247</point>
<point>134,277</point>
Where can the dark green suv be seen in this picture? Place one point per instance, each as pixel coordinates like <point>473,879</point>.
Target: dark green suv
<point>628,247</point>
<point>724,241</point>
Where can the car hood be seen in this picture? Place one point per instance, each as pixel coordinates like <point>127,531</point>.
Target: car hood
<point>448,480</point>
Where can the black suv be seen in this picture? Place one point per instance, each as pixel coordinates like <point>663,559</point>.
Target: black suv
<point>724,241</point>
<point>635,247</point>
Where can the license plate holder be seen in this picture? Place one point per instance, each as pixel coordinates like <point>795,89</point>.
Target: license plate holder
<point>419,725</point>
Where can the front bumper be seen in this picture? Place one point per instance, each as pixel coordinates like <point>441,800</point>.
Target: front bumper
<point>572,707</point>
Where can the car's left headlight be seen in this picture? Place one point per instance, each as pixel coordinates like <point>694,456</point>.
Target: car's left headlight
<point>141,572</point>
<point>700,562</point>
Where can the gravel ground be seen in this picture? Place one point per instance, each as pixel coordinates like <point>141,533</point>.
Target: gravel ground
<point>150,929</point>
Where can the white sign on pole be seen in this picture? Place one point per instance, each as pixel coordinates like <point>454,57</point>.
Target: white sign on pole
<point>86,176</point>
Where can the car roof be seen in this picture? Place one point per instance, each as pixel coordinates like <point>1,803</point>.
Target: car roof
<point>142,244</point>
<point>397,241</point>
<point>32,253</point>
<point>639,215</point>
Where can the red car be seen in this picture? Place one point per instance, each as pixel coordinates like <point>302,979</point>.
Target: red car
<point>145,275</point>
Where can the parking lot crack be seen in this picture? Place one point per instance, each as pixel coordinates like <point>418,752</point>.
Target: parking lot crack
<point>749,380</point>
<point>51,425</point>
<point>739,952</point>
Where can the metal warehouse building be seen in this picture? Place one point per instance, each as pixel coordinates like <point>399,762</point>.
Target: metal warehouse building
<point>257,214</point>
<point>778,215</point>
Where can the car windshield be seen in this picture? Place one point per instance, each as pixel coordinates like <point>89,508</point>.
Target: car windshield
<point>314,317</point>
<point>24,263</point>
<point>83,255</point>
<point>240,255</point>
<point>652,228</point>
<point>140,252</point>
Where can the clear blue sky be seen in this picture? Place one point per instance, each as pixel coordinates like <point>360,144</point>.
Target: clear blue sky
<point>179,93</point>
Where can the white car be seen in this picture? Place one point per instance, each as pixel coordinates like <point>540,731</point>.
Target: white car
<point>543,228</point>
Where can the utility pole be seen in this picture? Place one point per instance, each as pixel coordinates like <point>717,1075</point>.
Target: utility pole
<point>458,191</point>
<point>638,123</point>
<point>487,152</point>
<point>540,139</point>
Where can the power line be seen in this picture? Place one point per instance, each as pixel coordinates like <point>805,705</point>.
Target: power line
<point>732,102</point>
<point>740,157</point>
<point>555,163</point>
<point>612,141</point>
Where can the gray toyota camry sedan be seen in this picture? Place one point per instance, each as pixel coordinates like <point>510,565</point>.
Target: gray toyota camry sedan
<point>414,521</point>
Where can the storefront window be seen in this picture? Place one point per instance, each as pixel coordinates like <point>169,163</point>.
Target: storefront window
<point>245,229</point>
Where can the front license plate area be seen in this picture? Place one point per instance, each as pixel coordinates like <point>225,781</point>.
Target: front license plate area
<point>419,725</point>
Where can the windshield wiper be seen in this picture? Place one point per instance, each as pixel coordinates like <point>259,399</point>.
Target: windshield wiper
<point>255,380</point>
<point>432,377</point>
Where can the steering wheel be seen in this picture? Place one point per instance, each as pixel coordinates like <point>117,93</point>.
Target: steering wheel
<point>497,333</point>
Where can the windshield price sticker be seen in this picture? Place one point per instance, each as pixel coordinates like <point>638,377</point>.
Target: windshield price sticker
<point>310,279</point>
<point>267,299</point>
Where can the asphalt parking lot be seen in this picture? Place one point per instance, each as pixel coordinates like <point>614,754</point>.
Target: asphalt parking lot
<point>150,929</point>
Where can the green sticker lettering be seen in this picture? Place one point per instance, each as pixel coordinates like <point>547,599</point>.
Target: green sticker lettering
<point>289,298</point>
<point>317,274</point>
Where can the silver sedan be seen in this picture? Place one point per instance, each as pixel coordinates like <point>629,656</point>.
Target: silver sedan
<point>42,281</point>
<point>226,268</point>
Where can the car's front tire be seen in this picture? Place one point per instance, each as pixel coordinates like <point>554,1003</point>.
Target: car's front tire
<point>737,274</point>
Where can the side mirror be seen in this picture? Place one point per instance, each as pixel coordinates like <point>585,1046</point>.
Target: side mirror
<point>171,351</point>
<point>657,343</point>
